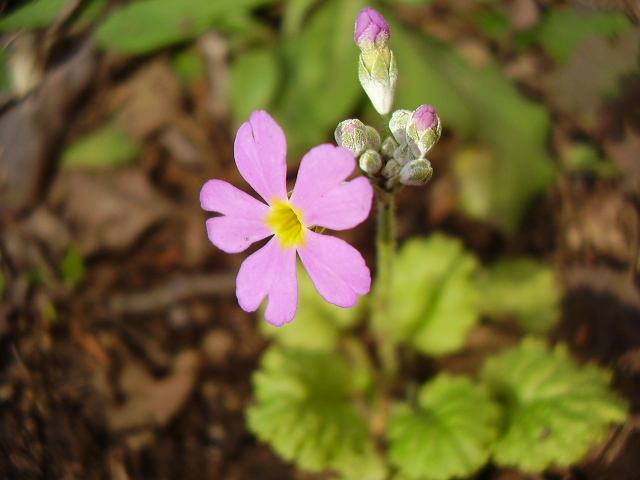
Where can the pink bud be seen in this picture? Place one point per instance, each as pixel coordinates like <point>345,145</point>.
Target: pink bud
<point>425,117</point>
<point>371,29</point>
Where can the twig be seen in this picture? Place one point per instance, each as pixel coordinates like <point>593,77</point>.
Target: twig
<point>176,290</point>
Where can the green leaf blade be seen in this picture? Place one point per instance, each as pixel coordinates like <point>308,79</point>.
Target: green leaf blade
<point>555,409</point>
<point>448,434</point>
<point>305,412</point>
<point>434,297</point>
<point>523,287</point>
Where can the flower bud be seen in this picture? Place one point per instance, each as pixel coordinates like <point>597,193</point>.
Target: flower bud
<point>353,135</point>
<point>388,146</point>
<point>372,30</point>
<point>373,138</point>
<point>416,173</point>
<point>370,162</point>
<point>403,154</point>
<point>391,169</point>
<point>423,130</point>
<point>377,69</point>
<point>398,125</point>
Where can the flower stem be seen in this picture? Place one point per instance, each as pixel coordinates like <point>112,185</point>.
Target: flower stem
<point>385,248</point>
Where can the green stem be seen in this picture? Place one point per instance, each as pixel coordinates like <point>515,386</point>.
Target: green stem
<point>385,248</point>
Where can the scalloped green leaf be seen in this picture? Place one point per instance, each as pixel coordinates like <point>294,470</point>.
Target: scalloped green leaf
<point>524,288</point>
<point>555,409</point>
<point>318,324</point>
<point>449,433</point>
<point>305,412</point>
<point>434,299</point>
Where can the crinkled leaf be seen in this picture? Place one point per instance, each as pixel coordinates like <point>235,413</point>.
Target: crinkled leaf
<point>524,288</point>
<point>564,28</point>
<point>482,103</point>
<point>448,434</point>
<point>320,77</point>
<point>434,297</point>
<point>255,77</point>
<point>109,146</point>
<point>147,25</point>
<point>305,413</point>
<point>555,409</point>
<point>318,324</point>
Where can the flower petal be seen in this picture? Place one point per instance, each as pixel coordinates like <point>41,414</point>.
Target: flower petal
<point>337,270</point>
<point>244,222</point>
<point>321,195</point>
<point>270,272</point>
<point>261,155</point>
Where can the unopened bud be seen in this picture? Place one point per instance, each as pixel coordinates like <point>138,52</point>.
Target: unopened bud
<point>416,173</point>
<point>423,130</point>
<point>377,69</point>
<point>388,147</point>
<point>352,134</point>
<point>403,154</point>
<point>370,162</point>
<point>372,30</point>
<point>398,124</point>
<point>391,169</point>
<point>373,138</point>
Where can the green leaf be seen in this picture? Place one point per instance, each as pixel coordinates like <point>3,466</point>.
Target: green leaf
<point>494,25</point>
<point>583,157</point>
<point>147,25</point>
<point>555,409</point>
<point>34,14</point>
<point>188,66</point>
<point>434,297</point>
<point>106,147</point>
<point>73,266</point>
<point>320,76</point>
<point>318,325</point>
<point>2,283</point>
<point>255,77</point>
<point>448,434</point>
<point>41,13</point>
<point>479,102</point>
<point>524,288</point>
<point>6,80</point>
<point>564,29</point>
<point>305,413</point>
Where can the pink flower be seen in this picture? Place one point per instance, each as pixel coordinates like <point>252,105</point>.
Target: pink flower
<point>320,198</point>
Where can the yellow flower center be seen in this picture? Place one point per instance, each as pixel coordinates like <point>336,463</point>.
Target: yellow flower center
<point>286,223</point>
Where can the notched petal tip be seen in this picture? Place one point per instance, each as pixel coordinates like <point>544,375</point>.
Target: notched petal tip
<point>260,151</point>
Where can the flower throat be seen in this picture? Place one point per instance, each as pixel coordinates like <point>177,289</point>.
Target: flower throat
<point>286,223</point>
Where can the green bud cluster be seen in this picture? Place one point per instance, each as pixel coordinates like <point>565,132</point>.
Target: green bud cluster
<point>400,158</point>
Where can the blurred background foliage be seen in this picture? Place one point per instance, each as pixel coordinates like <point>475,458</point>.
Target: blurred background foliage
<point>497,77</point>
